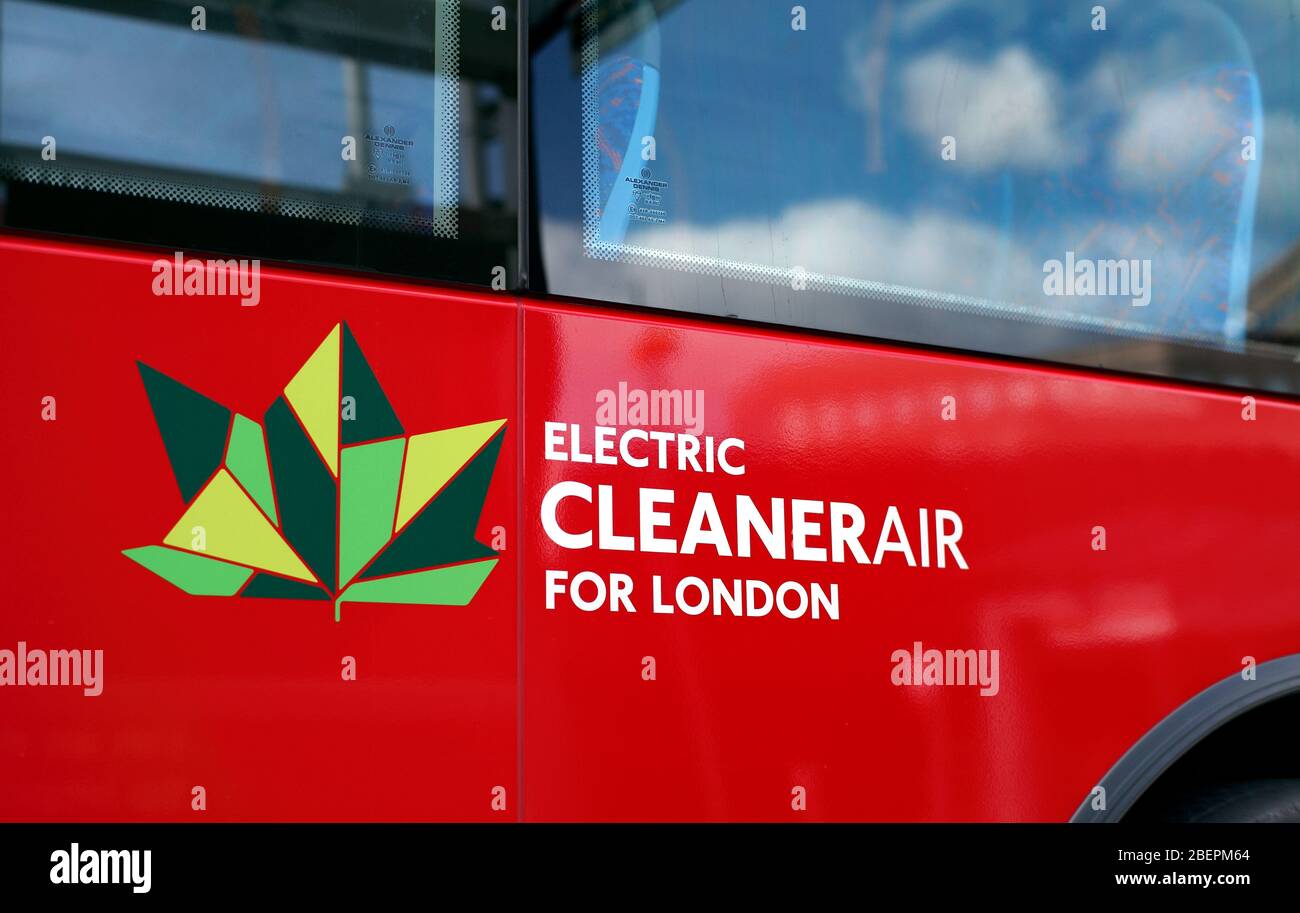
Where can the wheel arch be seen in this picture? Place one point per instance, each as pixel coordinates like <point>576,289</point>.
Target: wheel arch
<point>1183,730</point>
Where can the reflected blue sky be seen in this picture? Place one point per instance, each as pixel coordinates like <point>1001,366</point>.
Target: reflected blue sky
<point>131,90</point>
<point>821,149</point>
<point>816,149</point>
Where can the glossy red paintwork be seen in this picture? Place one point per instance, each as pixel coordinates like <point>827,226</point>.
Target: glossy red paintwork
<point>245,696</point>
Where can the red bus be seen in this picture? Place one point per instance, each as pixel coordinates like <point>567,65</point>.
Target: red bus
<point>650,410</point>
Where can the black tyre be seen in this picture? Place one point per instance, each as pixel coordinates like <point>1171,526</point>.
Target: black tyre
<point>1247,802</point>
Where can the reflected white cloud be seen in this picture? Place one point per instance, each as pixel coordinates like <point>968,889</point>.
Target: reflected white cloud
<point>935,251</point>
<point>930,249</point>
<point>1169,136</point>
<point>1002,113</point>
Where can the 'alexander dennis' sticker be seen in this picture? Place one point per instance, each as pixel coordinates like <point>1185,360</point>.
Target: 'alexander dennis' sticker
<point>390,157</point>
<point>647,198</point>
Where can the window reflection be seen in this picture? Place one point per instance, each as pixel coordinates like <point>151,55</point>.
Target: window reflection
<point>1141,180</point>
<point>356,113</point>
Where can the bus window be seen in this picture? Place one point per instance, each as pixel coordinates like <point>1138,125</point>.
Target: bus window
<point>1123,191</point>
<point>355,134</point>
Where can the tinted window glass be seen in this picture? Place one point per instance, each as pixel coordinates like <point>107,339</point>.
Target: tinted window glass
<point>374,134</point>
<point>1032,179</point>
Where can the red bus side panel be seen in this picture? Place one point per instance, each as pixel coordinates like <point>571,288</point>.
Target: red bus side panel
<point>627,715</point>
<point>244,697</point>
<point>751,717</point>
